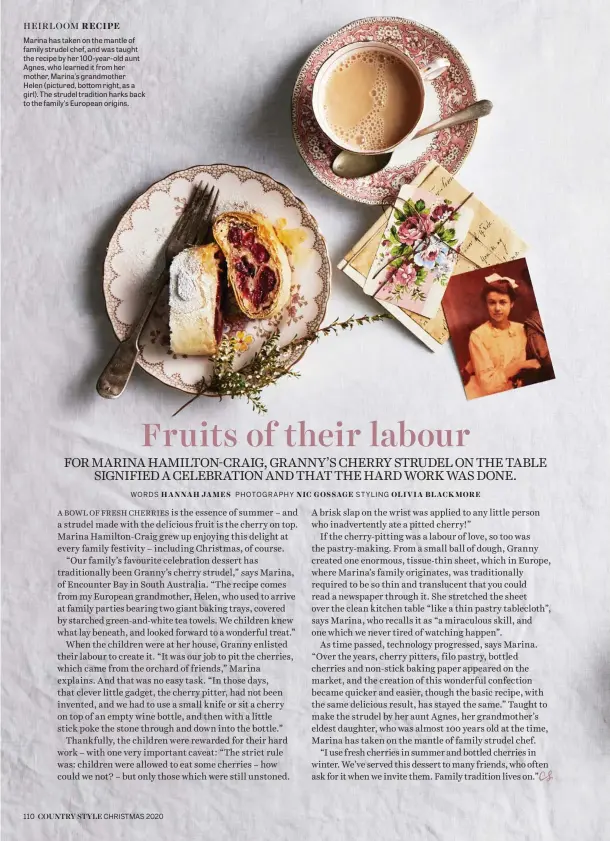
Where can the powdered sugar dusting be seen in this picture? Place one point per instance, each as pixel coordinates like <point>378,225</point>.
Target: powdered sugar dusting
<point>185,294</point>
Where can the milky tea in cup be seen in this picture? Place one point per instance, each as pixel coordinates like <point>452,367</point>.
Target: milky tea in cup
<point>370,98</point>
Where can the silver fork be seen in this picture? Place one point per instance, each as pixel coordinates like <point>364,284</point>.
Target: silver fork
<point>190,229</point>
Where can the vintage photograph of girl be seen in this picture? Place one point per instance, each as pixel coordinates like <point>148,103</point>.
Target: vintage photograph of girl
<point>496,330</point>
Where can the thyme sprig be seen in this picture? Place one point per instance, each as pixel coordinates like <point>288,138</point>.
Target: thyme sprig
<point>268,365</point>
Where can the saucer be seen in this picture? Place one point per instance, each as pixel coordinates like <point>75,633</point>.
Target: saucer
<point>445,95</point>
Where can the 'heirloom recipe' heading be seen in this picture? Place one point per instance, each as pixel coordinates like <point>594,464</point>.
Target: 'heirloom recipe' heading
<point>71,24</point>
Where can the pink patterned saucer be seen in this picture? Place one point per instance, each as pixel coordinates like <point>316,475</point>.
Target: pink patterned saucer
<point>448,93</point>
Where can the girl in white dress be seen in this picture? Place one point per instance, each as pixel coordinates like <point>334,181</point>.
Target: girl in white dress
<point>497,347</point>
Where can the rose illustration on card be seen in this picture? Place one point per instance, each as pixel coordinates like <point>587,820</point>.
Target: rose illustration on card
<point>418,251</point>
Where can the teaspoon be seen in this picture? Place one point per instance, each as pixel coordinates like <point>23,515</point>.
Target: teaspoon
<point>355,165</point>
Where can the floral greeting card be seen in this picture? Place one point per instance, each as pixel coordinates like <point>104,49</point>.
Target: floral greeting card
<point>418,251</point>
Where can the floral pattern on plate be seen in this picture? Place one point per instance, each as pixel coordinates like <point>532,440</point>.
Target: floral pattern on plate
<point>446,94</point>
<point>136,256</point>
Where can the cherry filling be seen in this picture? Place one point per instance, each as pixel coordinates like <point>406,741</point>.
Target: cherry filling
<point>258,290</point>
<point>267,281</point>
<point>234,235</point>
<point>259,252</point>
<point>218,319</point>
<point>245,267</point>
<point>248,239</point>
<point>255,284</point>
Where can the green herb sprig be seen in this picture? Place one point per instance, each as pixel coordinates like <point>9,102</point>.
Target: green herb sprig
<point>268,365</point>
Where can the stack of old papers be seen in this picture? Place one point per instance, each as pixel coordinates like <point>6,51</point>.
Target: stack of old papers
<point>487,242</point>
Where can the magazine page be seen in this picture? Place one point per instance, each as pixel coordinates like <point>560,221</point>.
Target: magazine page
<point>305,421</point>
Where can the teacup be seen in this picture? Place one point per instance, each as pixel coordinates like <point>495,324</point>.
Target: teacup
<point>369,96</point>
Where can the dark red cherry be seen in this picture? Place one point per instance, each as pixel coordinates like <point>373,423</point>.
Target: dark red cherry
<point>234,235</point>
<point>248,239</point>
<point>260,253</point>
<point>267,281</point>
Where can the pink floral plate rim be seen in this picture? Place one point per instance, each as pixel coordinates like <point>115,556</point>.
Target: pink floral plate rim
<point>455,89</point>
<point>318,300</point>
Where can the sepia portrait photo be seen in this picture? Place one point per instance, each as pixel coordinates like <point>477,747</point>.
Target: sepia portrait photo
<point>496,330</point>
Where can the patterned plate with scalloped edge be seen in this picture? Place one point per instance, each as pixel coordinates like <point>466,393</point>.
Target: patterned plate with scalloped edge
<point>448,93</point>
<point>136,256</point>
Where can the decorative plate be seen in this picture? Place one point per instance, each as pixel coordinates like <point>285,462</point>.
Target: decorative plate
<point>448,93</point>
<point>136,257</point>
